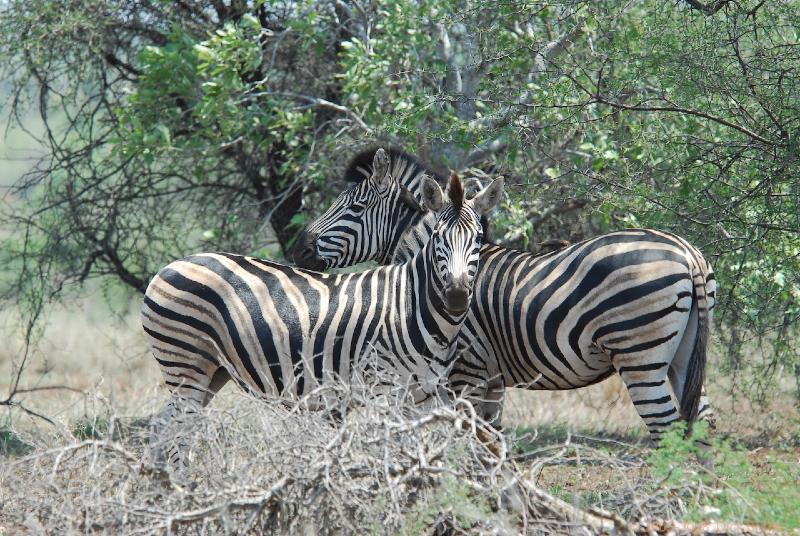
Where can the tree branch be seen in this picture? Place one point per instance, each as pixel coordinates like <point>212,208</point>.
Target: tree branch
<point>708,9</point>
<point>686,111</point>
<point>542,57</point>
<point>317,102</point>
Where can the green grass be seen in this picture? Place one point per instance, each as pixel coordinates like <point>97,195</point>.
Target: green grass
<point>11,445</point>
<point>741,491</point>
<point>117,430</point>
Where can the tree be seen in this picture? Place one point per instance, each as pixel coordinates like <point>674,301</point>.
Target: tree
<point>175,127</point>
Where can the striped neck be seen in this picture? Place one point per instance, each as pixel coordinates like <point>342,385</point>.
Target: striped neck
<point>427,302</point>
<point>412,239</point>
<point>405,219</point>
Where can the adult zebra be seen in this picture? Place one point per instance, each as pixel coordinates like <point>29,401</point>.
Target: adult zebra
<point>282,331</point>
<point>635,302</point>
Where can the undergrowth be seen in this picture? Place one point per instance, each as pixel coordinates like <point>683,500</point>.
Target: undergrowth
<point>733,490</point>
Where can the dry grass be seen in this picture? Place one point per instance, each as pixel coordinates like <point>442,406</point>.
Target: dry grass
<point>276,469</point>
<point>385,468</point>
<point>264,466</point>
<point>84,347</point>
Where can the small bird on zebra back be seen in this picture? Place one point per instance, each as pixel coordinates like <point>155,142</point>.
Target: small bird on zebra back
<point>283,331</point>
<point>637,303</point>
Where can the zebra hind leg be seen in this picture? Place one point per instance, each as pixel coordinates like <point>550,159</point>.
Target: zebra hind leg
<point>651,397</point>
<point>679,369</point>
<point>678,375</point>
<point>173,431</point>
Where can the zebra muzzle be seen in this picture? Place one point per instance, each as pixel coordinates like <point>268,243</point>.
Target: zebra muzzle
<point>305,252</point>
<point>456,296</point>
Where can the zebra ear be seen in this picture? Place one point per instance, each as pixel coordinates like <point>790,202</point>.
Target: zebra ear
<point>407,198</point>
<point>485,200</point>
<point>432,195</point>
<point>380,169</point>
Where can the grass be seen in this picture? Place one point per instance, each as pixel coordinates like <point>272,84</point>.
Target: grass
<point>11,445</point>
<point>105,428</point>
<point>746,485</point>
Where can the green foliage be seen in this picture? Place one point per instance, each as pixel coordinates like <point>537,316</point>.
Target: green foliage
<point>452,498</point>
<point>733,490</point>
<point>11,445</point>
<point>94,429</point>
<point>100,428</point>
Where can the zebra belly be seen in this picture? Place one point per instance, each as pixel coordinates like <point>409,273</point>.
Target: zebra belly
<point>562,321</point>
<point>482,358</point>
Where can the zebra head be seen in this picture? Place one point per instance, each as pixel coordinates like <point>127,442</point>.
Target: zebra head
<point>454,246</point>
<point>364,220</point>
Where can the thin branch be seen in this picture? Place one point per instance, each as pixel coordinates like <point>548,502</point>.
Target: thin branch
<point>686,111</point>
<point>708,9</point>
<point>317,102</point>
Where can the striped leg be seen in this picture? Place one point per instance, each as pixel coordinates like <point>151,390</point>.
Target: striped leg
<point>642,359</point>
<point>172,433</point>
<point>173,430</point>
<point>706,411</point>
<point>650,394</point>
<point>486,397</point>
<point>679,369</point>
<point>490,406</point>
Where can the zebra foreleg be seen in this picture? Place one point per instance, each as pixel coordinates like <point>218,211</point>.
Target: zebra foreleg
<point>491,407</point>
<point>487,400</point>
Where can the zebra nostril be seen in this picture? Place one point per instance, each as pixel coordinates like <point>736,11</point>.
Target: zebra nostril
<point>305,253</point>
<point>310,241</point>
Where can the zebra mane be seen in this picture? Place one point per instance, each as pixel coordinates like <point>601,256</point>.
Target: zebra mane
<point>360,166</point>
<point>455,191</point>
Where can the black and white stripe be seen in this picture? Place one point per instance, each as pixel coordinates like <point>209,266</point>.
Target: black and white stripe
<point>278,330</point>
<point>635,302</point>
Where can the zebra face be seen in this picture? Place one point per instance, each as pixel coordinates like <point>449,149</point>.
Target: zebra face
<point>358,226</point>
<point>456,240</point>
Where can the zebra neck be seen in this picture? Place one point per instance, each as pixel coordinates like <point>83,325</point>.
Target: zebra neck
<point>431,319</point>
<point>405,219</point>
<point>414,238</point>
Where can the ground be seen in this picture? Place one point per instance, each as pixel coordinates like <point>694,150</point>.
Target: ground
<point>587,447</point>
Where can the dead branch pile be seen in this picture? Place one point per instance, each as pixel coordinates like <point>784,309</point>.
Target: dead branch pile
<point>269,467</point>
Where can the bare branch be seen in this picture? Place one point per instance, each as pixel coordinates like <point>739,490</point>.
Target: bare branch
<point>708,9</point>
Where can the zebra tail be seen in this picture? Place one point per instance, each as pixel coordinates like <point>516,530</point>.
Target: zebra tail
<point>695,374</point>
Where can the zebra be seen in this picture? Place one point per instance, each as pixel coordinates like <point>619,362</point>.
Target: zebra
<point>283,331</point>
<point>637,303</point>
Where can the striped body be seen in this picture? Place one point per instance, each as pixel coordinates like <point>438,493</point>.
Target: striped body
<point>624,302</point>
<point>634,302</point>
<point>283,331</point>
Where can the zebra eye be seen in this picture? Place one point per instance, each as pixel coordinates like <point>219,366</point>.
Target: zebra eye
<point>357,207</point>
